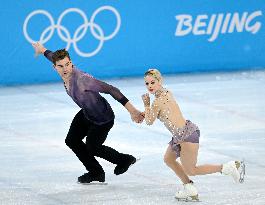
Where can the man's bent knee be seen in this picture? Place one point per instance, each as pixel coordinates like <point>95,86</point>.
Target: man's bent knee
<point>70,142</point>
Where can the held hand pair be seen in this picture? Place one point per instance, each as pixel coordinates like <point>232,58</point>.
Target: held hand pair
<point>137,117</point>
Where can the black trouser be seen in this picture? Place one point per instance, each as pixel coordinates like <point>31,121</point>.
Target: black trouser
<point>95,137</point>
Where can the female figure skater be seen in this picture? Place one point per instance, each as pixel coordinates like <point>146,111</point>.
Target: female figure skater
<point>185,140</point>
<point>94,120</point>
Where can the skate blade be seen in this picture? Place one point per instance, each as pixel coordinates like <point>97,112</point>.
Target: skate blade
<point>189,199</point>
<point>137,159</point>
<point>242,171</point>
<point>93,183</point>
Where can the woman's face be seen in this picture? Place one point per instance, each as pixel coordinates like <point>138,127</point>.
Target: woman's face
<point>152,84</point>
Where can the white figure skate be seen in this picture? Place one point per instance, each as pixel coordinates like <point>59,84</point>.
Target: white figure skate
<point>189,193</point>
<point>236,169</point>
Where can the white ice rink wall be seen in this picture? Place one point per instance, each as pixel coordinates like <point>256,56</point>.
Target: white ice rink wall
<point>118,38</point>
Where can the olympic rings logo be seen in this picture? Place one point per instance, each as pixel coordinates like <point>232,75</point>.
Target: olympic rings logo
<point>79,32</point>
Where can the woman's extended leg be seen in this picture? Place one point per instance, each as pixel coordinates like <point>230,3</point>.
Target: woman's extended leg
<point>188,158</point>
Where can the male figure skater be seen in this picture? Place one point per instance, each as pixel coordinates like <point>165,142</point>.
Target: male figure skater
<point>94,120</point>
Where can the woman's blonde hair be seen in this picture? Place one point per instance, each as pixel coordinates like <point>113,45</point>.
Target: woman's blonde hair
<point>154,73</point>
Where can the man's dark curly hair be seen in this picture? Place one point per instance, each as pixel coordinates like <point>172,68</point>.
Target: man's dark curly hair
<point>59,55</point>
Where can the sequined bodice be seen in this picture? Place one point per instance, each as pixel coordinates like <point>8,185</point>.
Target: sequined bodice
<point>167,111</point>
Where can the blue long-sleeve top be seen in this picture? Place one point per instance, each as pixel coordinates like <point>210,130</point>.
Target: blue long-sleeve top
<point>85,91</point>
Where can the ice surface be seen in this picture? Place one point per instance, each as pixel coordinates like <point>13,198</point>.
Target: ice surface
<point>38,168</point>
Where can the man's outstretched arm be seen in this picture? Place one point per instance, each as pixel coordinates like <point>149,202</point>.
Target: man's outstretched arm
<point>40,49</point>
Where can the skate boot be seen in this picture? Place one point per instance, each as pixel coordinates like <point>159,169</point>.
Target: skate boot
<point>124,166</point>
<point>89,178</point>
<point>189,193</point>
<point>236,169</point>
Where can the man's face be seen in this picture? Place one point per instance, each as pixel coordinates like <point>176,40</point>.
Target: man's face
<point>64,67</point>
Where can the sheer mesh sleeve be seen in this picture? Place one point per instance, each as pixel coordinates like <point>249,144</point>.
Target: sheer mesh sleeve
<point>152,112</point>
<point>99,86</point>
<point>48,54</point>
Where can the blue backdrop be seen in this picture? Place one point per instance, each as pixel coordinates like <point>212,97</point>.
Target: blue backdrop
<point>114,38</point>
